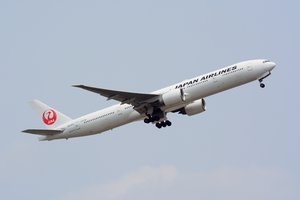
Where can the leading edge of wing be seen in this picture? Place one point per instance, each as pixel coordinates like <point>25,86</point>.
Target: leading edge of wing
<point>135,99</point>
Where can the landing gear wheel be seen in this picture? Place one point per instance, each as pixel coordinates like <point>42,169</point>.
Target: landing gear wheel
<point>158,125</point>
<point>262,85</point>
<point>147,120</point>
<point>168,123</point>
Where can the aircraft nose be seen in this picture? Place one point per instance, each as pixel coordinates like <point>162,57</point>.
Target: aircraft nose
<point>272,65</point>
<point>269,66</point>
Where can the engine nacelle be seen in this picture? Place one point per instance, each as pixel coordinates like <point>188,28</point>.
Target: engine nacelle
<point>172,98</point>
<point>194,108</point>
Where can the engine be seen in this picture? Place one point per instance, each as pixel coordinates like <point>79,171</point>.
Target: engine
<point>194,108</point>
<point>172,98</point>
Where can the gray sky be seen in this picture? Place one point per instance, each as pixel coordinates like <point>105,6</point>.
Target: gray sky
<point>245,146</point>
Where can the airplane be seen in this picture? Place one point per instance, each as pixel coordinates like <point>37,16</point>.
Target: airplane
<point>186,97</point>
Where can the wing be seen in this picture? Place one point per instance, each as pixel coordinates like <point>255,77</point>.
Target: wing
<point>45,132</point>
<point>138,100</point>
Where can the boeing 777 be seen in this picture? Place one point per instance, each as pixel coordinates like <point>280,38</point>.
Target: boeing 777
<point>186,97</point>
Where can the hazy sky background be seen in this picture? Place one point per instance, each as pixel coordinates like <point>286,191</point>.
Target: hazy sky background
<point>245,146</point>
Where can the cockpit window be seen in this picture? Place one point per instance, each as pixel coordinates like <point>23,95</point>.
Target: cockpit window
<point>266,61</point>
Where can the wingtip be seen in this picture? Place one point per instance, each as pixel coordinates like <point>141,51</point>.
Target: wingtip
<point>79,86</point>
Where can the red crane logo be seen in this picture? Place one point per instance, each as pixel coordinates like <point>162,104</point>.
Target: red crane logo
<point>49,117</point>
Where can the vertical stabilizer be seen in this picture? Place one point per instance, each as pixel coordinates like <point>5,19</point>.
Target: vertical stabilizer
<point>50,117</point>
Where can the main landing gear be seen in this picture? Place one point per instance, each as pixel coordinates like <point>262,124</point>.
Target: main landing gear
<point>163,124</point>
<point>159,124</point>
<point>151,119</point>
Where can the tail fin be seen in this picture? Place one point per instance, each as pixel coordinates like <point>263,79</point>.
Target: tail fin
<point>50,117</point>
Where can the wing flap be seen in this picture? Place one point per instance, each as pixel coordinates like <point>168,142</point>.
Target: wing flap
<point>45,132</point>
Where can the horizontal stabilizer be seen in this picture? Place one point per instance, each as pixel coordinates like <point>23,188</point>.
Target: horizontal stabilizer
<point>45,132</point>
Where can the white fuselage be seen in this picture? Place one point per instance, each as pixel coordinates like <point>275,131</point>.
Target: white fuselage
<point>195,88</point>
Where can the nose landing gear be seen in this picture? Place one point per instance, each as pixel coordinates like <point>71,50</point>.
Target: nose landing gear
<point>262,85</point>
